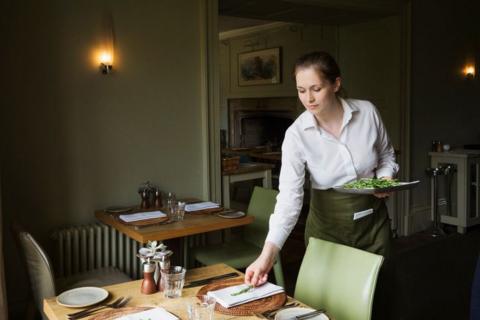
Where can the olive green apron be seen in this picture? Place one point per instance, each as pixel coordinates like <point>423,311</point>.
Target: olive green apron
<point>331,218</point>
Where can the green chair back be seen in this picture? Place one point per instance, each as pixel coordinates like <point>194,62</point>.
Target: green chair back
<point>261,206</point>
<point>339,279</point>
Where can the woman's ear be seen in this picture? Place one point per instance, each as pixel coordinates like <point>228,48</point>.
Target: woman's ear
<point>337,84</point>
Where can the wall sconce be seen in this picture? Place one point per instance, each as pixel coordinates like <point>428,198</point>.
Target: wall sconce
<point>106,62</point>
<point>469,71</point>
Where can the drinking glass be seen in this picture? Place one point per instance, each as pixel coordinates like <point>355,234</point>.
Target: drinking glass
<point>202,310</point>
<point>180,211</point>
<point>171,205</point>
<point>173,279</point>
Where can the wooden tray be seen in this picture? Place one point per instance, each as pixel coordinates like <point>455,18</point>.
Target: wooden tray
<point>142,223</point>
<point>246,309</point>
<point>205,211</point>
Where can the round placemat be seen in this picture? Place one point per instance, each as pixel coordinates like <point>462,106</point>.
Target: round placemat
<point>246,309</point>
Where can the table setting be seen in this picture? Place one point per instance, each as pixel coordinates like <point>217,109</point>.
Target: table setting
<point>193,301</point>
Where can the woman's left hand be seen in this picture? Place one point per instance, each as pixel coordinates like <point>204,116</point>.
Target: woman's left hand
<point>383,195</point>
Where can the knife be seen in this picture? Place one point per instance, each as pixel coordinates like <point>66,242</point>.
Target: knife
<point>309,315</point>
<point>208,280</point>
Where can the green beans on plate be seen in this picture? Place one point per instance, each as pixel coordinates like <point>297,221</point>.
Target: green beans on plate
<point>371,183</point>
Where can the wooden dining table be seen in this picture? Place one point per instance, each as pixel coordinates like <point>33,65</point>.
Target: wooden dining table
<point>192,224</point>
<point>177,306</point>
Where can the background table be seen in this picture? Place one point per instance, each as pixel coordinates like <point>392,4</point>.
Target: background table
<point>191,225</point>
<point>246,171</point>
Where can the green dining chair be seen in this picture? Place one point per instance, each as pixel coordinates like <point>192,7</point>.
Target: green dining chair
<point>339,279</point>
<point>240,253</point>
<point>41,275</point>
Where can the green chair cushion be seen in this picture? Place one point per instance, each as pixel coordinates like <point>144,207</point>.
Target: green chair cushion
<point>237,254</point>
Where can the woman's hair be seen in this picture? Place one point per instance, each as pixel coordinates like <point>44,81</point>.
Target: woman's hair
<point>322,62</point>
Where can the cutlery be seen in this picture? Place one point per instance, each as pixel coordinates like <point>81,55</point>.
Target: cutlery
<point>120,302</point>
<point>95,306</point>
<point>309,315</point>
<point>269,314</point>
<point>208,280</point>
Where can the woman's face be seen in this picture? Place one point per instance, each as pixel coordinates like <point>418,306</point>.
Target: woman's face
<point>316,93</point>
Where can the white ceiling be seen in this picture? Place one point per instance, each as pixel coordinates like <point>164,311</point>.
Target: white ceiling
<point>236,14</point>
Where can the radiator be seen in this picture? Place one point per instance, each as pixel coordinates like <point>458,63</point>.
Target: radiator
<point>88,247</point>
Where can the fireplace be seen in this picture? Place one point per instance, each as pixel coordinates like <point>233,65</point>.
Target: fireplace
<point>260,121</point>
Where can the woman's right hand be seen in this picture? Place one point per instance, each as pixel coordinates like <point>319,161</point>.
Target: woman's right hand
<point>257,273</point>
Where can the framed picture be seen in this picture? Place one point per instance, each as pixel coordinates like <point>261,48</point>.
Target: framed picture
<point>259,67</point>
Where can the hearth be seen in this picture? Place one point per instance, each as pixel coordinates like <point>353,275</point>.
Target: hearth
<point>260,121</point>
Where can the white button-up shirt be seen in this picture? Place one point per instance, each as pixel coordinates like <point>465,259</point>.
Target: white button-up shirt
<point>362,151</point>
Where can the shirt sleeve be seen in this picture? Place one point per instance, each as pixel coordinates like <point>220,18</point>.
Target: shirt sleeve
<point>386,167</point>
<point>290,198</point>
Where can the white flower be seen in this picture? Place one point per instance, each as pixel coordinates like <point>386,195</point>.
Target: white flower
<point>149,252</point>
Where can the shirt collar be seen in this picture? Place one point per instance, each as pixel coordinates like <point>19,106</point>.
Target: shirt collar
<point>348,109</point>
<point>308,119</point>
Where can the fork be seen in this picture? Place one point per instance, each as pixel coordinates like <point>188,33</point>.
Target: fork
<point>120,302</point>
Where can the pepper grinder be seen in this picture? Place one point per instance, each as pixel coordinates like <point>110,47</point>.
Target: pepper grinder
<point>148,283</point>
<point>158,198</point>
<point>144,194</point>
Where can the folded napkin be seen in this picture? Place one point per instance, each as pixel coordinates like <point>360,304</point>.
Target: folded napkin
<point>142,216</point>
<point>156,313</point>
<point>201,206</point>
<point>235,295</point>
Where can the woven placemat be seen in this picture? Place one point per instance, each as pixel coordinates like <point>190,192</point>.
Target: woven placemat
<point>115,313</point>
<point>246,309</point>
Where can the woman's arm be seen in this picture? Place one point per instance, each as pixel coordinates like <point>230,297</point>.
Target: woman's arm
<point>287,209</point>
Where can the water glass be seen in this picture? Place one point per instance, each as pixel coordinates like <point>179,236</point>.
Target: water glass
<point>180,211</point>
<point>173,279</point>
<point>171,205</point>
<point>202,310</point>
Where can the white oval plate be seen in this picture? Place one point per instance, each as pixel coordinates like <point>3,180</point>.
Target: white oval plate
<point>82,297</point>
<point>232,215</point>
<point>290,313</point>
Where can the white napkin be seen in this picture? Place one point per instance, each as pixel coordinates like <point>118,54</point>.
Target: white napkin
<point>226,299</point>
<point>142,216</point>
<point>156,313</point>
<point>201,206</point>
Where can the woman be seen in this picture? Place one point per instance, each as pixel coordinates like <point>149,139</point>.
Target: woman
<point>337,141</point>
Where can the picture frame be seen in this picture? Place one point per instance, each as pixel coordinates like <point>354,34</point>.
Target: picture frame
<point>261,67</point>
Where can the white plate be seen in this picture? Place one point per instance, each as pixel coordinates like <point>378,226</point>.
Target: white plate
<point>291,313</point>
<point>82,297</point>
<point>232,214</point>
